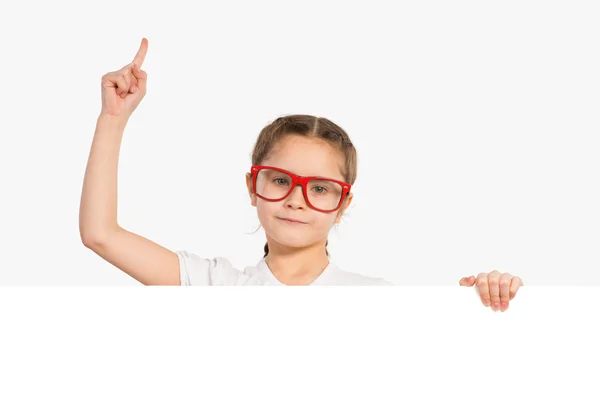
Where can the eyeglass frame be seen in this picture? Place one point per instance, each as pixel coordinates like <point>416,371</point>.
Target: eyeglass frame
<point>302,181</point>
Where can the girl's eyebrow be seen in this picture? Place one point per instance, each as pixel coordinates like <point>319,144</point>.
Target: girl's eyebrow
<point>328,176</point>
<point>320,175</point>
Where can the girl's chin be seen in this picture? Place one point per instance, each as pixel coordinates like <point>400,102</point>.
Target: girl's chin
<point>291,241</point>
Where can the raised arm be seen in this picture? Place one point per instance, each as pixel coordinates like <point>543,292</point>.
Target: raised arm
<point>142,259</point>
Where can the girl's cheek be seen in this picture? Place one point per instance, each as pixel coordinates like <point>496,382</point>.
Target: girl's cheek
<point>324,222</point>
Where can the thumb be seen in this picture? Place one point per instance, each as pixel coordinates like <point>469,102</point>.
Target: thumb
<point>141,77</point>
<point>467,281</point>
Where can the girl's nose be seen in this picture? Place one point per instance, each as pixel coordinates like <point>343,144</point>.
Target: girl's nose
<point>296,198</point>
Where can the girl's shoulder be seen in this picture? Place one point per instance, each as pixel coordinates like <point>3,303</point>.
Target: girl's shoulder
<point>195,270</point>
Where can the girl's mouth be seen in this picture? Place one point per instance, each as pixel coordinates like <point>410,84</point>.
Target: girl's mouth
<point>292,221</point>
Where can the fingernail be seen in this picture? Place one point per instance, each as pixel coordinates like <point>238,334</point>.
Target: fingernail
<point>504,306</point>
<point>496,306</point>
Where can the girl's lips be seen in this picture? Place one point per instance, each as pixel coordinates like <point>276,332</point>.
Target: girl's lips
<point>291,221</point>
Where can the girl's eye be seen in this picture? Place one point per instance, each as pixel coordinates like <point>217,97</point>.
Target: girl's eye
<point>281,181</point>
<point>319,189</point>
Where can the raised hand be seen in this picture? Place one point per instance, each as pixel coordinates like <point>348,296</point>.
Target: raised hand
<point>123,90</point>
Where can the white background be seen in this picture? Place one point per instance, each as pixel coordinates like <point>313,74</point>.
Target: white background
<point>477,131</point>
<point>476,125</point>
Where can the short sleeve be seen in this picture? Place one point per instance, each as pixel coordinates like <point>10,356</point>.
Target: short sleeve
<point>194,270</point>
<point>197,271</point>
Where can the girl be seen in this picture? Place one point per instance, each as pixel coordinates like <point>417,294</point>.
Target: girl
<point>300,181</point>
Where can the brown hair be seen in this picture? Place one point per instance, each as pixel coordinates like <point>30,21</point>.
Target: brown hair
<point>310,126</point>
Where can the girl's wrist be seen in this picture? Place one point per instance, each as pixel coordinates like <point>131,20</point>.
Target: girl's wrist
<point>111,120</point>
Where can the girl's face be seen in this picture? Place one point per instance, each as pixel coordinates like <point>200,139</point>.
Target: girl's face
<point>306,157</point>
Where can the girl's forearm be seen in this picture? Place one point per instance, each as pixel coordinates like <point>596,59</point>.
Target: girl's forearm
<point>98,208</point>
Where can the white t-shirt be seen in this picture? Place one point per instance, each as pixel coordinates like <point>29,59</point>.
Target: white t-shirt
<point>195,270</point>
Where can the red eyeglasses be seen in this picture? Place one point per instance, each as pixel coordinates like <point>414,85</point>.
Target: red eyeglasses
<point>275,184</point>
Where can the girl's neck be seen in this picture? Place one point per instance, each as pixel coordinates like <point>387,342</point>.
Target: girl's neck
<point>296,266</point>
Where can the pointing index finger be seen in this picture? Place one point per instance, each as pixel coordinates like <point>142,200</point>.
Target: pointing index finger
<point>141,54</point>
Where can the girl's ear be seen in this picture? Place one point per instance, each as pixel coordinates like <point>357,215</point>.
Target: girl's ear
<point>345,205</point>
<point>249,186</point>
